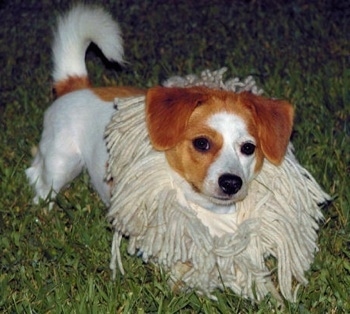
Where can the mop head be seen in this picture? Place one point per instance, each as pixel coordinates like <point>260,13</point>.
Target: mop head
<point>199,249</point>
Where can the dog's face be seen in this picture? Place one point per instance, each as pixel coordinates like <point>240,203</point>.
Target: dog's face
<point>217,140</point>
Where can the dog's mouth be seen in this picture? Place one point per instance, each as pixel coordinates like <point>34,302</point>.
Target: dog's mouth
<point>222,200</point>
<point>216,200</point>
<point>227,190</point>
<point>226,200</point>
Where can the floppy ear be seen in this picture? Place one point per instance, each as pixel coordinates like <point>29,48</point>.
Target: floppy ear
<point>274,121</point>
<point>167,113</point>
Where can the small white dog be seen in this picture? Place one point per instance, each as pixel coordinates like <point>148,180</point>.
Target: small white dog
<point>215,141</point>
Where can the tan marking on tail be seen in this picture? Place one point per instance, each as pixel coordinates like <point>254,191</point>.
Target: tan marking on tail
<point>71,84</point>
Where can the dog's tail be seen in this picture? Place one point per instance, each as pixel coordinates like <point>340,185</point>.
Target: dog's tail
<point>75,30</point>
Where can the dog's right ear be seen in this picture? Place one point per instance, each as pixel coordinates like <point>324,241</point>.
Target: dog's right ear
<point>168,111</point>
<point>274,122</point>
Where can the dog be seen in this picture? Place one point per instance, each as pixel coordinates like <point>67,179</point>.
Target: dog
<point>215,141</point>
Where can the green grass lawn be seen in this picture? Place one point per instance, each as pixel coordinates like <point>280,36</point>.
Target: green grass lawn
<point>58,261</point>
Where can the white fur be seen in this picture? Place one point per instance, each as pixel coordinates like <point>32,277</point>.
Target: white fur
<point>72,139</point>
<point>75,31</point>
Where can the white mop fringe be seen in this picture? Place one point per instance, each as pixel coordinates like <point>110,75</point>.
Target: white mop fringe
<point>202,250</point>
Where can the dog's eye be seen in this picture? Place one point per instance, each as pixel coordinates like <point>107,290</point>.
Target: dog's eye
<point>201,144</point>
<point>248,149</point>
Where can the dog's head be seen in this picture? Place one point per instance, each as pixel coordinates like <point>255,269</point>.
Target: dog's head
<point>217,140</point>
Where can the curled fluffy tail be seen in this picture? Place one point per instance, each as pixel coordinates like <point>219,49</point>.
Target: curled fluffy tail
<point>75,30</point>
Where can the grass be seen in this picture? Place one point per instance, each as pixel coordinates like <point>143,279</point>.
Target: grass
<point>57,261</point>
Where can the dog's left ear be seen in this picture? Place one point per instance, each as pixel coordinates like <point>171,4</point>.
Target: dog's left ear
<point>274,122</point>
<point>168,111</point>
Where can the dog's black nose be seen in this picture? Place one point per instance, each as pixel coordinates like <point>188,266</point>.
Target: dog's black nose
<point>230,183</point>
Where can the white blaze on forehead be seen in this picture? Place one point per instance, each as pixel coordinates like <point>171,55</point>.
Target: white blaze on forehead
<point>232,127</point>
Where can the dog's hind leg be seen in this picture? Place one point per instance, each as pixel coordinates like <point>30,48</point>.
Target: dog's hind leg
<point>52,169</point>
